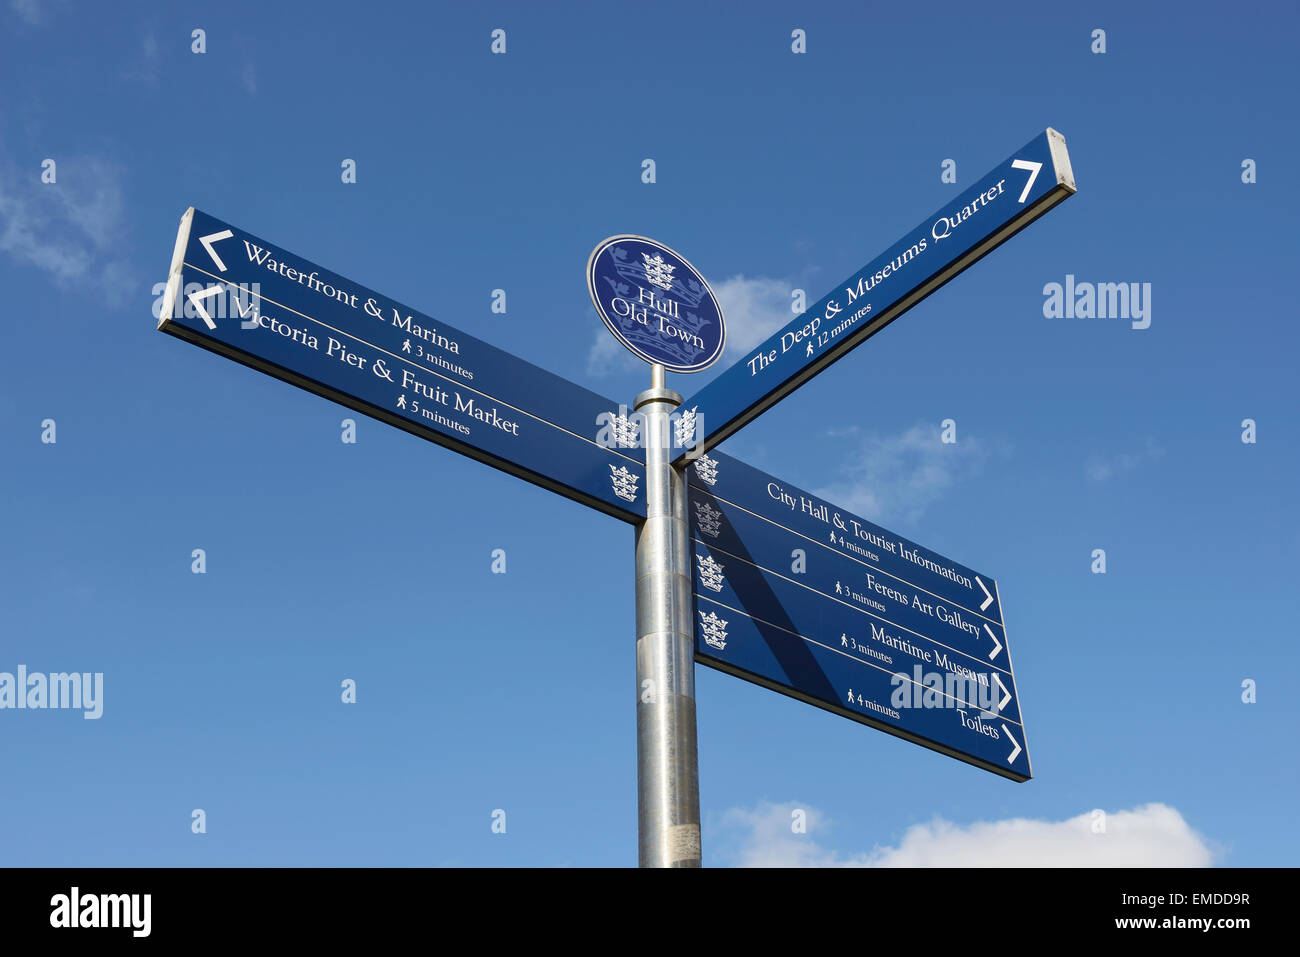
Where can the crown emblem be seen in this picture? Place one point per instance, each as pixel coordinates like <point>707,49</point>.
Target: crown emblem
<point>714,629</point>
<point>624,430</point>
<point>686,289</point>
<point>710,572</point>
<point>708,518</point>
<point>707,469</point>
<point>658,272</point>
<point>684,426</point>
<point>624,483</point>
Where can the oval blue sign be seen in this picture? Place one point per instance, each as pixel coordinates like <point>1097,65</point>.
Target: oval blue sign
<point>656,303</point>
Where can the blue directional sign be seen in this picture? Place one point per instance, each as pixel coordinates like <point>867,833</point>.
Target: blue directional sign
<point>239,296</point>
<point>656,303</point>
<point>805,598</point>
<point>1018,191</point>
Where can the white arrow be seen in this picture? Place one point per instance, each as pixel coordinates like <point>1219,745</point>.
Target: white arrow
<point>211,238</point>
<point>998,645</point>
<point>1016,753</point>
<point>1033,169</point>
<point>1003,703</point>
<point>988,598</point>
<point>208,293</point>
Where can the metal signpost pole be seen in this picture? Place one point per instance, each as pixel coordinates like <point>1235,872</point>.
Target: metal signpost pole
<point>667,761</point>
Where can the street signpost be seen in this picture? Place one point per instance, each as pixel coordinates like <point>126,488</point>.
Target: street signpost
<point>734,568</point>
<point>1018,191</point>
<point>239,296</point>
<point>805,598</point>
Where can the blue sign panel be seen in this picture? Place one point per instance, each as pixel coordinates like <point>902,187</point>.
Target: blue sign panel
<point>805,598</point>
<point>1018,191</point>
<point>656,303</point>
<point>237,295</point>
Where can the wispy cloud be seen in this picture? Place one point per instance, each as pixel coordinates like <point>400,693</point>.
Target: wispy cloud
<point>1151,835</point>
<point>1102,468</point>
<point>607,355</point>
<point>28,10</point>
<point>888,476</point>
<point>248,78</point>
<point>754,308</point>
<point>72,228</point>
<point>35,12</point>
<point>145,66</point>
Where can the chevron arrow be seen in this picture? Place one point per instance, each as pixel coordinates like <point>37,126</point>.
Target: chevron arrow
<point>1016,753</point>
<point>208,293</point>
<point>1007,694</point>
<point>988,597</point>
<point>207,242</point>
<point>997,645</point>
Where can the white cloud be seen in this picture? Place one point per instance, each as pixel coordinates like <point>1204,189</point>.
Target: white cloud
<point>71,228</point>
<point>753,309</point>
<point>29,10</point>
<point>248,78</point>
<point>1151,835</point>
<point>762,836</point>
<point>901,475</point>
<point>34,11</point>
<point>1101,469</point>
<point>145,66</point>
<point>608,355</point>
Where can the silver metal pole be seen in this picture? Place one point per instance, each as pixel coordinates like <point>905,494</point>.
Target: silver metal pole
<point>667,760</point>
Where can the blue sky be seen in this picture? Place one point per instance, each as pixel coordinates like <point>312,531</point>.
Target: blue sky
<point>775,171</point>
